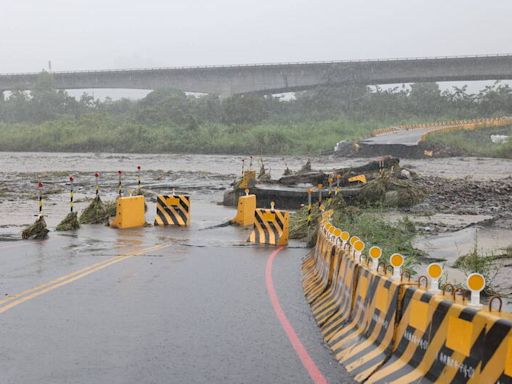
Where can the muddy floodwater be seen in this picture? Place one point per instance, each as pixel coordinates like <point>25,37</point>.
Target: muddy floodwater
<point>206,177</point>
<point>41,163</point>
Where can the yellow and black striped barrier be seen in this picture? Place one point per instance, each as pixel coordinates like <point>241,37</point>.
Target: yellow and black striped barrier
<point>173,210</point>
<point>385,329</point>
<point>270,227</point>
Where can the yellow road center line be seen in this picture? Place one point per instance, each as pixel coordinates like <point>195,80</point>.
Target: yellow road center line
<point>41,286</point>
<point>44,285</point>
<point>66,279</point>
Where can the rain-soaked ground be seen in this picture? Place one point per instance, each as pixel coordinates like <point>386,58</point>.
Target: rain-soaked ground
<point>195,310</point>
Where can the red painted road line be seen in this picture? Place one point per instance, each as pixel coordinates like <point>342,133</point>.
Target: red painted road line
<point>306,360</point>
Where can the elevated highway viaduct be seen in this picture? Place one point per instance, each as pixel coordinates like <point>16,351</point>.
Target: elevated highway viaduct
<point>277,78</point>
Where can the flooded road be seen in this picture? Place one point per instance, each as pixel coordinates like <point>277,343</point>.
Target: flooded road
<point>206,176</point>
<point>160,304</point>
<point>154,305</point>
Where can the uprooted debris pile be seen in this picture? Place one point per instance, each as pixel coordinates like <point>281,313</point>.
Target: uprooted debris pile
<point>320,177</point>
<point>98,212</point>
<point>301,227</point>
<point>389,190</point>
<point>70,223</point>
<point>36,231</point>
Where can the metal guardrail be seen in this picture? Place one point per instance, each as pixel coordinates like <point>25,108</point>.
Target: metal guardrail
<point>268,64</point>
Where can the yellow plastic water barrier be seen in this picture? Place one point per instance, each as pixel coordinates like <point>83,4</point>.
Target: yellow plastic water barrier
<point>248,180</point>
<point>173,210</point>
<point>245,211</point>
<point>129,212</point>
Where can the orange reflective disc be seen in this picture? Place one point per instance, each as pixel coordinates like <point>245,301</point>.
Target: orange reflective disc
<point>435,270</point>
<point>396,260</point>
<point>359,246</point>
<point>476,282</point>
<point>375,252</point>
<point>353,239</point>
<point>345,236</point>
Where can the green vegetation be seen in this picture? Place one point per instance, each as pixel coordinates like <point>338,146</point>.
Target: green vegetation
<point>374,230</point>
<point>475,262</point>
<point>167,120</point>
<point>368,224</point>
<point>101,133</point>
<point>476,143</point>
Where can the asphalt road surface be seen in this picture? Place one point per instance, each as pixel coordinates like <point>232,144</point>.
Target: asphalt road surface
<point>157,305</point>
<point>410,137</point>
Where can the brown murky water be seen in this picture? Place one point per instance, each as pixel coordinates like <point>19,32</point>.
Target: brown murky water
<point>206,177</point>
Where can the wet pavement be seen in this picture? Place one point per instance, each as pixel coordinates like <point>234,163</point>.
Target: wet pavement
<point>154,305</point>
<point>408,137</point>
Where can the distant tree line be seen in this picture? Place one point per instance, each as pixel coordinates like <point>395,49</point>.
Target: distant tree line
<point>167,106</point>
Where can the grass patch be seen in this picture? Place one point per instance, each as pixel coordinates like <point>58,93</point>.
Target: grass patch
<point>374,230</point>
<point>477,142</point>
<point>367,224</point>
<point>102,133</point>
<point>476,262</point>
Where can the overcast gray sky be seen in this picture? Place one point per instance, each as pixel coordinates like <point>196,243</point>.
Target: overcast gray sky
<point>100,34</point>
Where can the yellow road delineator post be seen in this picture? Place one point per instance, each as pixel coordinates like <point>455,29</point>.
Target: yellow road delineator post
<point>138,178</point>
<point>270,227</point>
<point>396,260</point>
<point>120,184</point>
<point>246,209</point>
<point>71,193</point>
<point>70,222</point>
<point>38,229</point>
<point>40,198</point>
<point>129,212</point>
<point>97,175</point>
<point>434,272</point>
<point>173,210</point>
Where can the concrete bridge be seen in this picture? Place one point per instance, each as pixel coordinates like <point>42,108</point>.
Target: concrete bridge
<point>283,77</point>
